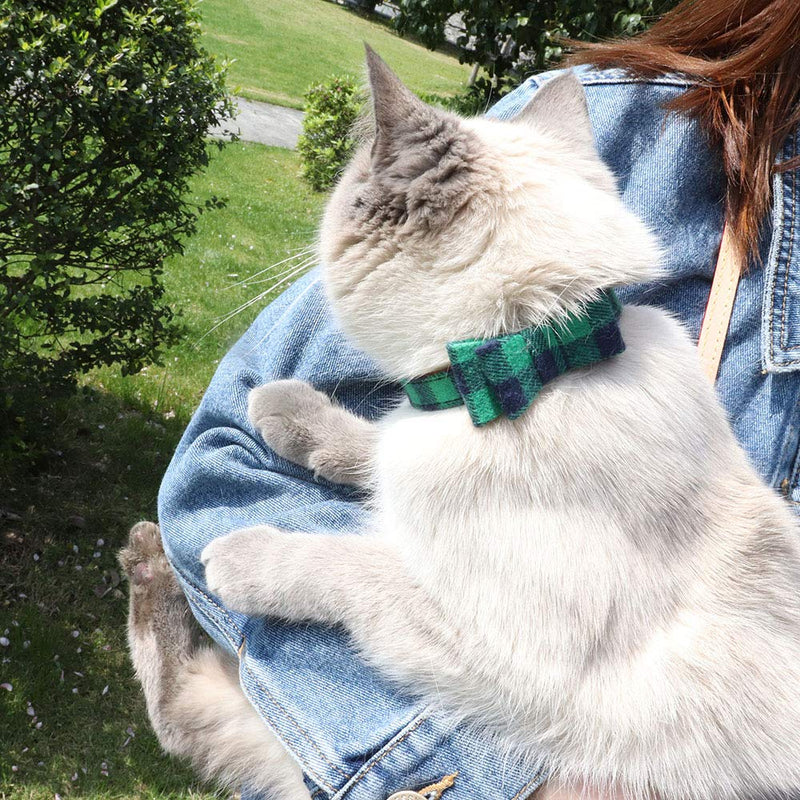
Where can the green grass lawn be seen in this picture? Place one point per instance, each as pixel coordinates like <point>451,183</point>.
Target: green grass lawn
<point>73,722</point>
<point>271,217</point>
<point>282,46</point>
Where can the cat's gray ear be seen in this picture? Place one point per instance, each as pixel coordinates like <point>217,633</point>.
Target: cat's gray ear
<point>560,108</point>
<point>392,103</point>
<point>421,157</point>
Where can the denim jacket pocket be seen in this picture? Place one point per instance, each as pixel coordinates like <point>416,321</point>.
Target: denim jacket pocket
<point>781,320</point>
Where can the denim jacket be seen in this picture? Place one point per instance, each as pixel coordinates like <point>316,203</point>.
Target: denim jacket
<point>354,734</point>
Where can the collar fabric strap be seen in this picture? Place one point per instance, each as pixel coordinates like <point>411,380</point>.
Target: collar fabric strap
<point>492,377</point>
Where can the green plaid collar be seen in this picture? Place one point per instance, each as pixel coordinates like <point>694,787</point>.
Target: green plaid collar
<point>492,377</point>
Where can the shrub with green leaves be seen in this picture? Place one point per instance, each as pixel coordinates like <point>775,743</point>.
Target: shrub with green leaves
<point>469,103</point>
<point>327,143</point>
<point>510,39</point>
<point>103,120</point>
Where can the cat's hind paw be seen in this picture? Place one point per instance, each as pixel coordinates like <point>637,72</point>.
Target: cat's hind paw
<point>143,559</point>
<point>156,599</point>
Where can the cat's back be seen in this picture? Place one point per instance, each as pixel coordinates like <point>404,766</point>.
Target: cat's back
<point>623,472</point>
<point>642,421</point>
<point>614,542</point>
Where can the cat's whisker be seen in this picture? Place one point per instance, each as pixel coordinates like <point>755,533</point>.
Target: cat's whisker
<point>304,253</point>
<point>301,253</point>
<point>306,263</point>
<point>299,297</point>
<point>554,305</point>
<point>276,276</point>
<point>381,383</point>
<point>260,296</point>
<point>296,272</point>
<point>336,388</point>
<point>231,314</point>
<point>243,306</point>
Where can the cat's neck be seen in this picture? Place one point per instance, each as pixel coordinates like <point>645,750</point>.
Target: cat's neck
<point>428,356</point>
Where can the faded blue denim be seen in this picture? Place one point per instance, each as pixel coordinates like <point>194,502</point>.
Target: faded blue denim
<point>354,734</point>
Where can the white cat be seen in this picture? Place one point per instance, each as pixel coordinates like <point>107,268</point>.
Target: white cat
<point>603,581</point>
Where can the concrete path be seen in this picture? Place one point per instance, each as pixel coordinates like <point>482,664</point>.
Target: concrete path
<point>264,123</point>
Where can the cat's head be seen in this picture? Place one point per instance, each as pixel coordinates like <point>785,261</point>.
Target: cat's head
<point>444,228</point>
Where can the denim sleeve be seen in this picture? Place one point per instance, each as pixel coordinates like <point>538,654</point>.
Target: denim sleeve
<point>353,734</point>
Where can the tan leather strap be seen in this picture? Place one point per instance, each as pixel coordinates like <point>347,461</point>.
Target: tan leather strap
<point>720,306</point>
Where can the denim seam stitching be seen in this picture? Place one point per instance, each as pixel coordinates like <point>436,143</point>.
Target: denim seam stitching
<point>266,691</point>
<point>776,258</point>
<point>358,776</point>
<point>300,730</point>
<point>535,783</point>
<point>641,81</point>
<point>794,466</point>
<point>618,75</point>
<point>767,310</point>
<point>794,472</point>
<point>597,78</point>
<point>214,603</point>
<point>788,264</point>
<point>775,276</point>
<point>789,446</point>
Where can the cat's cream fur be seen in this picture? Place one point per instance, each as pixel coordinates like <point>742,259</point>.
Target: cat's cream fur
<point>605,581</point>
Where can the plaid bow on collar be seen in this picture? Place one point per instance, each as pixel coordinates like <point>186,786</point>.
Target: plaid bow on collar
<point>492,377</point>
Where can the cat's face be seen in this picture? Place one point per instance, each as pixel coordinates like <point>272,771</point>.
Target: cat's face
<point>445,228</point>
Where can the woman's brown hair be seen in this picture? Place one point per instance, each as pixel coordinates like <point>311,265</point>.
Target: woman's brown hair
<point>745,57</point>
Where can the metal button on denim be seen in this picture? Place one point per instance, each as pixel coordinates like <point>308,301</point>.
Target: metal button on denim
<point>407,794</point>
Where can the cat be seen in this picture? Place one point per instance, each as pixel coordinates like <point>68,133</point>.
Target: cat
<point>604,580</point>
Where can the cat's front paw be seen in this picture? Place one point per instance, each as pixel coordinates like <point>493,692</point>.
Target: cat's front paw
<point>288,414</point>
<point>239,569</point>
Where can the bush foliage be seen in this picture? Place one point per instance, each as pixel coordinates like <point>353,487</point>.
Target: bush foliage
<point>513,38</point>
<point>105,109</point>
<point>326,143</point>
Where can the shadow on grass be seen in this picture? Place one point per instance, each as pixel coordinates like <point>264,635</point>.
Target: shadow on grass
<point>73,721</point>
